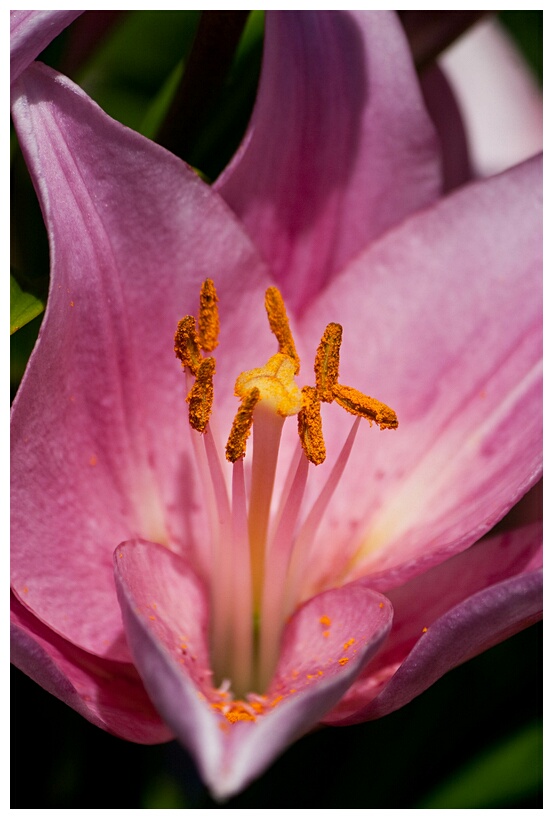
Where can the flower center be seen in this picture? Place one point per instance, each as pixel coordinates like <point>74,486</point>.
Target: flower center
<point>259,555</point>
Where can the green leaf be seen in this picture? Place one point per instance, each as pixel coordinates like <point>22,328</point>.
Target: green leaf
<point>23,306</point>
<point>231,110</point>
<point>500,776</point>
<point>526,28</point>
<point>136,59</point>
<point>163,791</point>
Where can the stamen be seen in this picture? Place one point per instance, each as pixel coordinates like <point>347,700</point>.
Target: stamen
<point>241,426</point>
<point>357,403</point>
<point>187,344</point>
<point>241,659</point>
<point>327,361</point>
<point>267,430</point>
<point>280,327</point>
<point>310,428</point>
<point>306,536</point>
<point>209,317</point>
<point>278,557</point>
<point>200,397</point>
<point>221,591</point>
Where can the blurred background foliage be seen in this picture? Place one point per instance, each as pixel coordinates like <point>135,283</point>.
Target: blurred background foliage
<point>188,80</point>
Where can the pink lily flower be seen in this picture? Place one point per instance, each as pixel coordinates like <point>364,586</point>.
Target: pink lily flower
<point>141,558</point>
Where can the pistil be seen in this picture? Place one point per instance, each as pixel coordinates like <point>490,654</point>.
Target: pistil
<point>259,563</point>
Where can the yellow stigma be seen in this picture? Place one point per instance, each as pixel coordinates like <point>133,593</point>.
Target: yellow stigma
<point>276,385</point>
<point>280,327</point>
<point>241,426</point>
<point>209,317</point>
<point>327,361</point>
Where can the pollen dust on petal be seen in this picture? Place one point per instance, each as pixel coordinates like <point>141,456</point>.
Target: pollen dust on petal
<point>236,711</point>
<point>243,710</point>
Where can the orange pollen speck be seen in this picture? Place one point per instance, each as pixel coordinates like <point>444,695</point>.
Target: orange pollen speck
<point>324,620</point>
<point>349,643</point>
<point>424,630</point>
<point>343,660</point>
<point>326,633</point>
<point>240,711</point>
<point>238,715</point>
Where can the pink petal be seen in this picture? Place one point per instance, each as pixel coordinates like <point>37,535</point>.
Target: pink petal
<point>443,109</point>
<point>31,32</point>
<point>482,621</point>
<point>165,614</point>
<point>498,95</point>
<point>108,694</point>
<point>99,430</point>
<point>437,597</point>
<point>446,309</point>
<point>340,146</point>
